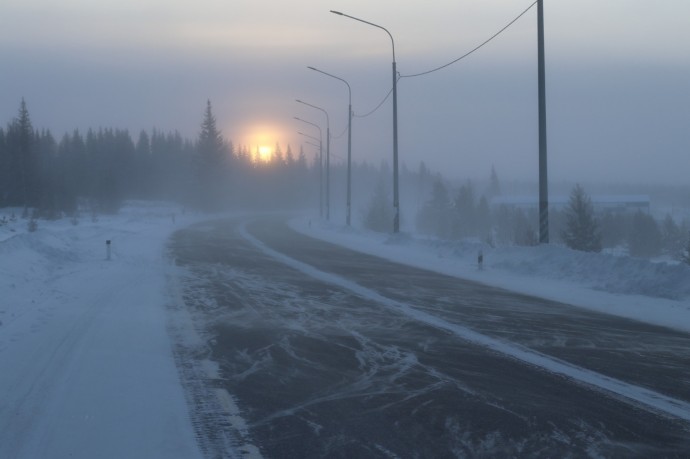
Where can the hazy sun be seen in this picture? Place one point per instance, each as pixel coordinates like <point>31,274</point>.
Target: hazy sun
<point>265,153</point>
<point>260,139</point>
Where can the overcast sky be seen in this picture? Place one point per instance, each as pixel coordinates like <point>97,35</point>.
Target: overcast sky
<point>618,78</point>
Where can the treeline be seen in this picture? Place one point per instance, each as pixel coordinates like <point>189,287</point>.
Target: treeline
<point>97,170</point>
<point>465,214</point>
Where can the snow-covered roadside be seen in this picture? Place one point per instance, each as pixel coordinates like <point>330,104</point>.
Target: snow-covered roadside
<point>622,286</point>
<point>86,363</point>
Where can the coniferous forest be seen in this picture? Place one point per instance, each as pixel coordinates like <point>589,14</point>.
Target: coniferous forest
<point>96,170</point>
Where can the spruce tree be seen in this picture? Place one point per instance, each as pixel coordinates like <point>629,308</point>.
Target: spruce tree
<point>212,180</point>
<point>581,228</point>
<point>23,167</point>
<point>211,146</point>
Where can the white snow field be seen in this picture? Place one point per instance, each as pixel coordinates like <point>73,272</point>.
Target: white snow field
<point>86,363</point>
<point>86,354</point>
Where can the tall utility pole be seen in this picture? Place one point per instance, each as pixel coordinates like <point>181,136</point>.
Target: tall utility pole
<point>396,193</point>
<point>543,180</point>
<point>396,197</point>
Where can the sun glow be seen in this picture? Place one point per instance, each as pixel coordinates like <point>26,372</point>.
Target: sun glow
<point>259,140</point>
<point>265,153</point>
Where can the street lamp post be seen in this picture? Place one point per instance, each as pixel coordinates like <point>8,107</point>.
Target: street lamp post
<point>396,200</point>
<point>349,143</point>
<point>320,160</point>
<point>328,157</point>
<point>543,181</point>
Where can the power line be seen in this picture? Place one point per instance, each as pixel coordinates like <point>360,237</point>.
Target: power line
<point>339,135</point>
<point>378,106</point>
<point>449,63</point>
<point>473,50</point>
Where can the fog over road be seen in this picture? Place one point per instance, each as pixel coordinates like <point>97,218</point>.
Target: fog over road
<point>330,352</point>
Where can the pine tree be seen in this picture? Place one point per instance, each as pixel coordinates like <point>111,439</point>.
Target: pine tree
<point>302,159</point>
<point>277,158</point>
<point>23,166</point>
<point>581,228</point>
<point>289,157</point>
<point>143,146</point>
<point>212,173</point>
<point>210,145</point>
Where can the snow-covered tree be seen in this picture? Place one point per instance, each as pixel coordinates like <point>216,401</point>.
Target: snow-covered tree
<point>581,228</point>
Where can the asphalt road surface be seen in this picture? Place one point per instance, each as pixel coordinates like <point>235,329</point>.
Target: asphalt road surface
<point>328,352</point>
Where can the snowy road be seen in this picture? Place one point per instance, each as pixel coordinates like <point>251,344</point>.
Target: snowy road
<point>322,351</point>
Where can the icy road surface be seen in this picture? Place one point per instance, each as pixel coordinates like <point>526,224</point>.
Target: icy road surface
<point>310,350</point>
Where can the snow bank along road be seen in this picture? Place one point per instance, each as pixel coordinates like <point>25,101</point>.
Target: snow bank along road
<point>86,368</point>
<point>313,350</point>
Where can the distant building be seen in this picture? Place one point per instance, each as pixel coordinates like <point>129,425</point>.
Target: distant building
<point>624,204</point>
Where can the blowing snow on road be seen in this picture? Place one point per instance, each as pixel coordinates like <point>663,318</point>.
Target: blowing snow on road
<point>242,337</point>
<point>332,353</point>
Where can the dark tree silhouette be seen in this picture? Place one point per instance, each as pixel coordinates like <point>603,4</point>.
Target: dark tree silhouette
<point>581,228</point>
<point>212,164</point>
<point>23,183</point>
